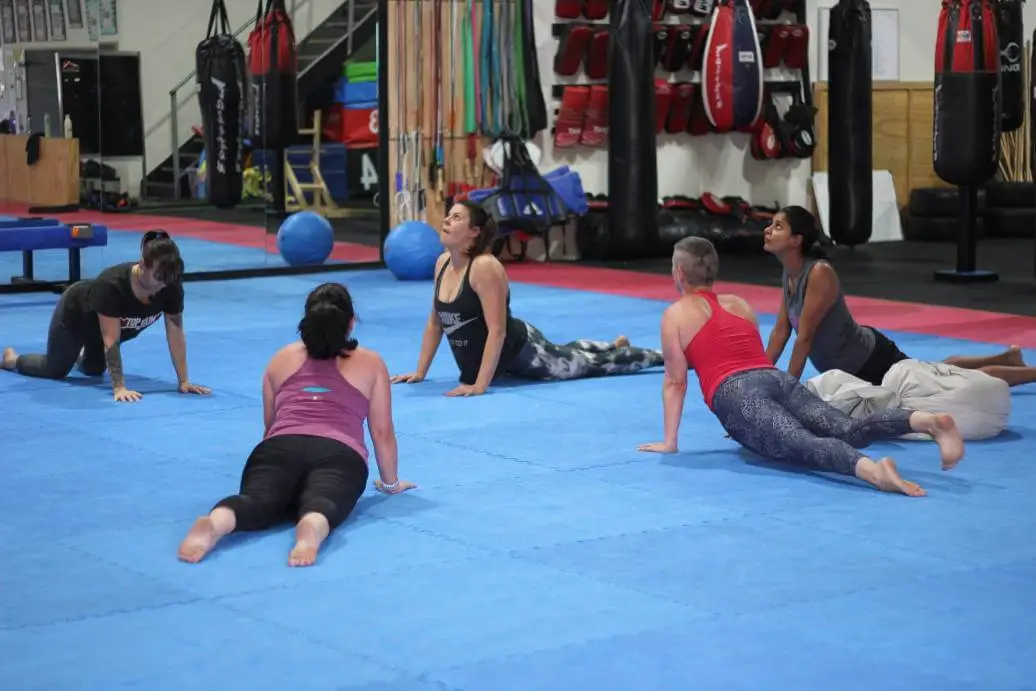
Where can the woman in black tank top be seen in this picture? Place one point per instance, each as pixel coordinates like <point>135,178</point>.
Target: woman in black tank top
<point>472,307</point>
<point>793,237</point>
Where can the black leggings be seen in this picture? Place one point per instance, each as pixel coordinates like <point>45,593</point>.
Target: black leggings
<point>64,345</point>
<point>293,475</point>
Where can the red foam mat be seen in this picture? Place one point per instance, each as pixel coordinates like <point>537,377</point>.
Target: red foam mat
<point>948,322</point>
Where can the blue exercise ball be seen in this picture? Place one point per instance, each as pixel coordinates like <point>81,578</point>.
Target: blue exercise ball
<point>411,249</point>
<point>305,238</point>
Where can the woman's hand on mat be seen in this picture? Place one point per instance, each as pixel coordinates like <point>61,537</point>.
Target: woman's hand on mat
<point>407,378</point>
<point>658,447</point>
<point>187,387</point>
<point>466,390</point>
<point>124,395</point>
<point>400,486</point>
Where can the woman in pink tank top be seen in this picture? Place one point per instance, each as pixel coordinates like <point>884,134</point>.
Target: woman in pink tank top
<point>764,408</point>
<point>312,461</point>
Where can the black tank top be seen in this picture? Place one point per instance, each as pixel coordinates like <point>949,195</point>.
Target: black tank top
<point>464,324</point>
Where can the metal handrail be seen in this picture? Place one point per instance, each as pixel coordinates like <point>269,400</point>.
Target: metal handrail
<point>174,105</point>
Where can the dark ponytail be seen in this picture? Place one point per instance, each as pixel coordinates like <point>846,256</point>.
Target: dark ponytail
<point>159,251</point>
<point>325,328</point>
<point>804,224</point>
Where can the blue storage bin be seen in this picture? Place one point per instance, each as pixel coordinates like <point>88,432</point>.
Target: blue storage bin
<point>350,93</point>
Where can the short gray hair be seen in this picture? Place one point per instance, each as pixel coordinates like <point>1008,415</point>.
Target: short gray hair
<point>697,259</point>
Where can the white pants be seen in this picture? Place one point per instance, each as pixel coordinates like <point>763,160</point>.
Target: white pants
<point>980,404</point>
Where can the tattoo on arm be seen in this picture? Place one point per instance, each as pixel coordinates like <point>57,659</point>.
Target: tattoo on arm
<point>114,359</point>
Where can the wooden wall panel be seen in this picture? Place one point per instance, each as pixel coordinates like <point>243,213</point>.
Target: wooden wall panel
<point>902,134</point>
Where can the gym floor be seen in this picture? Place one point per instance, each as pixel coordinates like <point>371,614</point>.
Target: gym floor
<point>708,569</point>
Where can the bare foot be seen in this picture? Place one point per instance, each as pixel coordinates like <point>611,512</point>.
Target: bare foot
<point>622,342</point>
<point>200,540</point>
<point>307,542</point>
<point>1013,357</point>
<point>9,359</point>
<point>887,479</point>
<point>951,445</point>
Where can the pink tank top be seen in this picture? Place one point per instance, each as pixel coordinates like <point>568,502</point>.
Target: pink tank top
<point>318,401</point>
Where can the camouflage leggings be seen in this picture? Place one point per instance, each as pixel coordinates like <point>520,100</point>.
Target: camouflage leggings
<point>542,359</point>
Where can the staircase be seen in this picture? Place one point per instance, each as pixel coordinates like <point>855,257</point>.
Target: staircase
<point>349,31</point>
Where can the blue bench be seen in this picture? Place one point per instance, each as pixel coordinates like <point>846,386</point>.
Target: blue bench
<point>28,235</point>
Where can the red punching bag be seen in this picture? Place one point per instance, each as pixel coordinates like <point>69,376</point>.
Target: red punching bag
<point>968,106</point>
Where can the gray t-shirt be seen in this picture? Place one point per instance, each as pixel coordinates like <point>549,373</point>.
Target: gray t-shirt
<point>838,341</point>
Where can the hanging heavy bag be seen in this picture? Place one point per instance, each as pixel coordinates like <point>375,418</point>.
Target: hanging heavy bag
<point>732,69</point>
<point>1011,37</point>
<point>632,161</point>
<point>273,66</point>
<point>1032,113</point>
<point>966,123</point>
<point>535,105</point>
<point>849,121</point>
<point>220,67</point>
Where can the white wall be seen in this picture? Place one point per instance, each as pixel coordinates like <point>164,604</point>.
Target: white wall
<point>721,164</point>
<point>165,33</point>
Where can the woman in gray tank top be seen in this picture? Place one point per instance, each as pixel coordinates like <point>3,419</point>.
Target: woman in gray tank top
<point>813,306</point>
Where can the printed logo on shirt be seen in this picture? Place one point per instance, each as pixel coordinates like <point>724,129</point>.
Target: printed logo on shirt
<point>138,323</point>
<point>316,389</point>
<point>451,322</point>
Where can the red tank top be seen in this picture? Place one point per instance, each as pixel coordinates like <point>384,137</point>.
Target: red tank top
<point>725,345</point>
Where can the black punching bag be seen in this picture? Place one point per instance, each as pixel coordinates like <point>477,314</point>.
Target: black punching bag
<point>1031,101</point>
<point>966,127</point>
<point>849,117</point>
<point>1011,37</point>
<point>220,65</point>
<point>632,156</point>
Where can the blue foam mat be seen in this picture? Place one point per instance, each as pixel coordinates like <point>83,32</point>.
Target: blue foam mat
<point>124,246</point>
<point>542,552</point>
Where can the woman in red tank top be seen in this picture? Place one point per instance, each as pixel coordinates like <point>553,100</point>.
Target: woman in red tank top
<point>761,407</point>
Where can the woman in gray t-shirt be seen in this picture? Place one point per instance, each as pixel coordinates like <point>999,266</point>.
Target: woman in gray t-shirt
<point>813,306</point>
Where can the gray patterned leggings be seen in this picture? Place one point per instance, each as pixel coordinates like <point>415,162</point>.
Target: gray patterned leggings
<point>541,359</point>
<point>769,412</point>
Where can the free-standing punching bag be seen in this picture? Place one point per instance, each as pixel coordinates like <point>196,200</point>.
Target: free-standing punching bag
<point>850,113</point>
<point>632,158</point>
<point>967,117</point>
<point>220,66</point>
<point>1011,37</point>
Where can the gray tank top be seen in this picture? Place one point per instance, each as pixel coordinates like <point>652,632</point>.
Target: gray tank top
<point>838,342</point>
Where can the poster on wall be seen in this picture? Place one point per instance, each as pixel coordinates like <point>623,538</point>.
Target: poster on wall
<point>40,21</point>
<point>8,36</point>
<point>57,20</point>
<point>109,18</point>
<point>93,14</point>
<point>75,14</point>
<point>23,21</point>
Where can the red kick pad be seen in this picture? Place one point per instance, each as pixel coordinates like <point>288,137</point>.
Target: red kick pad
<point>568,9</point>
<point>796,49</point>
<point>572,49</point>
<point>663,97</point>
<point>595,129</point>
<point>680,109</point>
<point>597,55</point>
<point>596,9</point>
<point>571,116</point>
